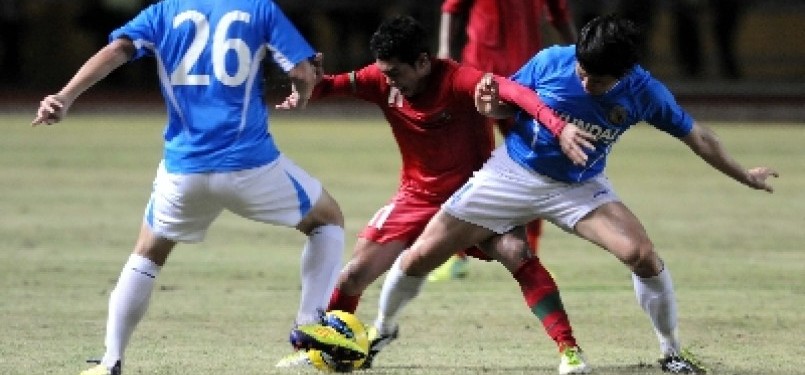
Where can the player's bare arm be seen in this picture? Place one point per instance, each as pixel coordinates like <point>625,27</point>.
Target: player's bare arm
<point>492,100</point>
<point>704,142</point>
<point>53,108</point>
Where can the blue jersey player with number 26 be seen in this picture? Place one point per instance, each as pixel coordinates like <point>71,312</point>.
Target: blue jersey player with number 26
<point>218,153</point>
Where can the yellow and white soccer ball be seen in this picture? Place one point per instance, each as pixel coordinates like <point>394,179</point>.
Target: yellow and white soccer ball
<point>350,326</point>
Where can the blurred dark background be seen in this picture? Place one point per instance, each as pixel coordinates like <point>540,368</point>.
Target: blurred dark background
<point>43,42</point>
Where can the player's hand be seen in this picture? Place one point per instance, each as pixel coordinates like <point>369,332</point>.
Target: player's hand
<point>756,178</point>
<point>574,141</point>
<point>487,97</point>
<point>52,109</point>
<point>293,101</point>
<point>290,102</point>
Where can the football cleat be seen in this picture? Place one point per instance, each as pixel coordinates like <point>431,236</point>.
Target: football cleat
<point>682,363</point>
<point>326,339</point>
<point>346,324</point>
<point>453,268</point>
<point>100,369</point>
<point>572,361</point>
<point>377,342</point>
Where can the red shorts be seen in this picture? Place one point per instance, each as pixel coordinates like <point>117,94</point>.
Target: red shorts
<point>404,219</point>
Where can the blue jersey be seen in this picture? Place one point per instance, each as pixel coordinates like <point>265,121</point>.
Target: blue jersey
<point>636,97</point>
<point>208,56</point>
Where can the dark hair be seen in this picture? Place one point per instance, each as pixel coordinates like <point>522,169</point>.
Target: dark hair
<point>608,45</point>
<point>401,37</point>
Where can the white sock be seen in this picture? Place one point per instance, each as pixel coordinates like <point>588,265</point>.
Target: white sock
<point>656,296</point>
<point>398,290</point>
<point>321,261</point>
<point>127,305</point>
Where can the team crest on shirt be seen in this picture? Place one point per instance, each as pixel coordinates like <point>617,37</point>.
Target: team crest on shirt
<point>617,115</point>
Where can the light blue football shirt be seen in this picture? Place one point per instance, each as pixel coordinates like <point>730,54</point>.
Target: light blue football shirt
<point>636,97</point>
<point>209,58</point>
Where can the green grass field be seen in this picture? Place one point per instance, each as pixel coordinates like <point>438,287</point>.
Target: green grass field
<point>72,196</point>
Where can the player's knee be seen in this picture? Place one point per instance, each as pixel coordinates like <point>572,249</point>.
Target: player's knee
<point>510,250</point>
<point>418,263</point>
<point>639,255</point>
<point>329,210</point>
<point>326,211</point>
<point>649,264</point>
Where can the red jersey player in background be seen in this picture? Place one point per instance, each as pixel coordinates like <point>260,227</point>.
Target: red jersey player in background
<point>501,36</point>
<point>429,105</point>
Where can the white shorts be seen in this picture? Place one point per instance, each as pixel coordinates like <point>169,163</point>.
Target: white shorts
<point>182,206</point>
<point>503,195</point>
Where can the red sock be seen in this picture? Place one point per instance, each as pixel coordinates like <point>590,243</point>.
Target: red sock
<point>343,302</point>
<point>533,230</point>
<point>542,296</point>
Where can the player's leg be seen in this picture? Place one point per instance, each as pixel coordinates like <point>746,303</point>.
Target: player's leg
<point>533,232</point>
<point>284,194</point>
<point>129,299</point>
<point>541,295</point>
<point>321,256</point>
<point>464,220</point>
<point>539,289</point>
<point>369,261</point>
<point>594,212</point>
<point>320,261</point>
<point>615,228</point>
<point>385,329</point>
<point>451,228</point>
<point>405,278</point>
<point>443,234</point>
<point>384,237</point>
<point>170,216</point>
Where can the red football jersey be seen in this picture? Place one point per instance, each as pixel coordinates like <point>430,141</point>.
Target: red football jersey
<point>441,137</point>
<point>502,35</point>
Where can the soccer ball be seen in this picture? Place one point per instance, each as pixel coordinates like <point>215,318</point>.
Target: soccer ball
<point>348,325</point>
